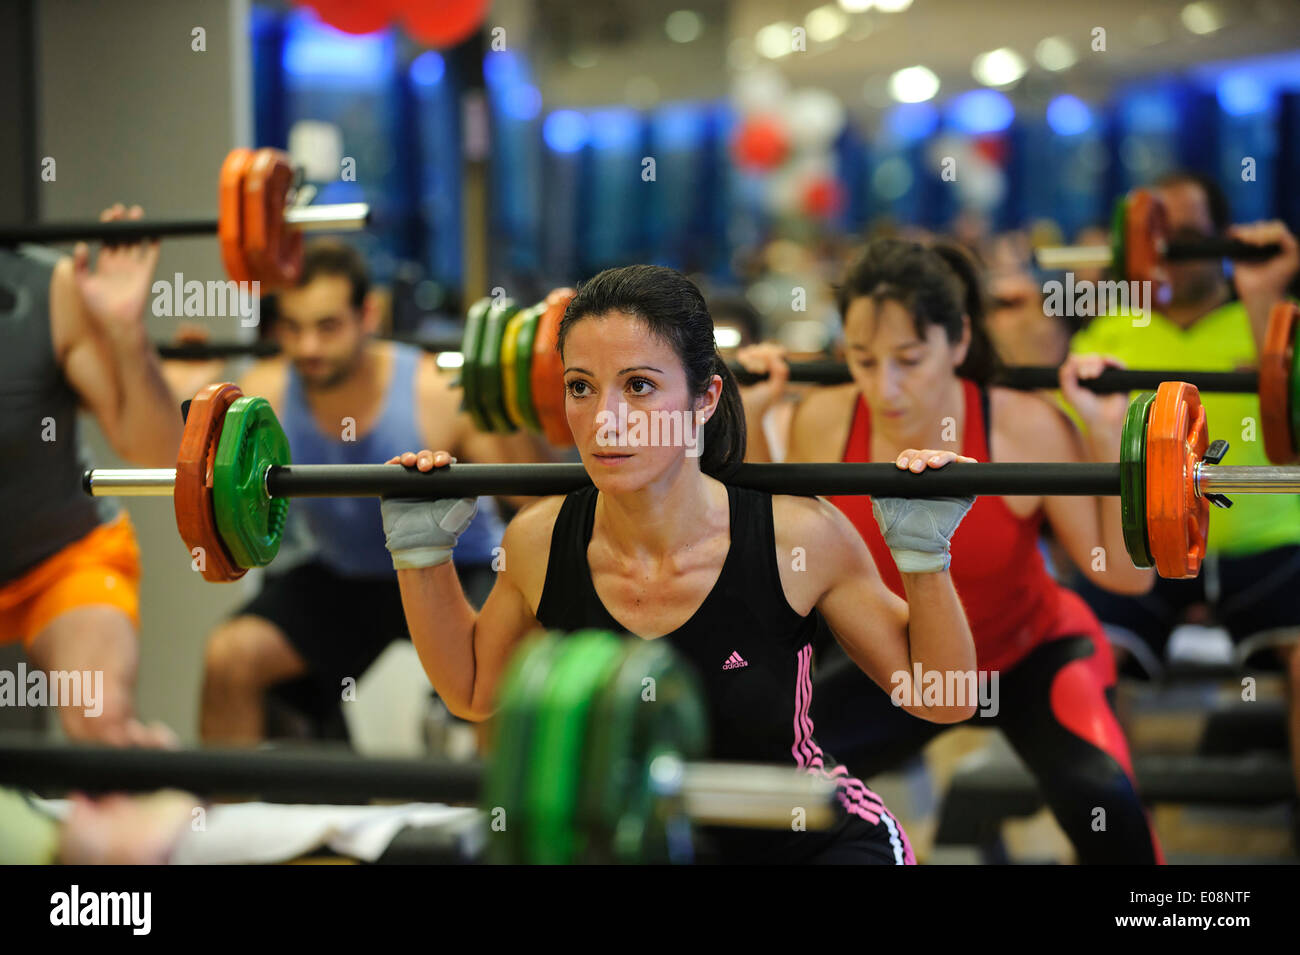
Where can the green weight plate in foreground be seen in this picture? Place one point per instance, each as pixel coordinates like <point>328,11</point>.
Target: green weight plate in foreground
<point>509,766</point>
<point>251,523</point>
<point>1132,479</point>
<point>650,706</point>
<point>580,671</point>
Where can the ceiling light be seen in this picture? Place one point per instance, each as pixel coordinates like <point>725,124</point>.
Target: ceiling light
<point>825,23</point>
<point>774,40</point>
<point>1201,18</point>
<point>1000,67</point>
<point>1055,53</point>
<point>913,84</point>
<point>683,26</point>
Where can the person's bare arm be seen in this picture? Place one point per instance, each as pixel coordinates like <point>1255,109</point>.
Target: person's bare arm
<point>820,426</point>
<point>1083,524</point>
<point>883,634</point>
<point>759,398</point>
<point>266,378</point>
<point>464,653</point>
<point>1262,285</point>
<point>97,317</point>
<point>186,377</point>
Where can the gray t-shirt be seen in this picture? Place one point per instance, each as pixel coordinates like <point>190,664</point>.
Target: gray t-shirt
<point>41,456</point>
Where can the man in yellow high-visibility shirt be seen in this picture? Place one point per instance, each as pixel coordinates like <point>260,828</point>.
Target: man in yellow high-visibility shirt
<point>1251,576</point>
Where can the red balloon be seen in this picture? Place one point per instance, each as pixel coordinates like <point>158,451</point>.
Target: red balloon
<point>822,198</point>
<point>992,148</point>
<point>761,144</point>
<point>351,16</point>
<point>443,23</point>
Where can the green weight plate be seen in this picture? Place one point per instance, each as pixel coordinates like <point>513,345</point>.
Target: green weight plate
<point>514,725</point>
<point>551,793</point>
<point>1118,241</point>
<point>649,707</point>
<point>524,368</point>
<point>1132,479</point>
<point>490,366</point>
<point>251,523</point>
<point>471,344</point>
<point>1293,400</point>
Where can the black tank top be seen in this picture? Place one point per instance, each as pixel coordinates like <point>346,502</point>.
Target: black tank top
<point>752,653</point>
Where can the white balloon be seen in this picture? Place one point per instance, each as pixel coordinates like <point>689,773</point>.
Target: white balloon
<point>981,184</point>
<point>760,90</point>
<point>808,167</point>
<point>784,192</point>
<point>815,117</point>
<point>948,146</point>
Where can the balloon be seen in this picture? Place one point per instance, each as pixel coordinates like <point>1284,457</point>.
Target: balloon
<point>822,197</point>
<point>981,185</point>
<point>992,148</point>
<point>352,17</point>
<point>814,117</point>
<point>758,91</point>
<point>443,23</point>
<point>783,194</point>
<point>761,144</point>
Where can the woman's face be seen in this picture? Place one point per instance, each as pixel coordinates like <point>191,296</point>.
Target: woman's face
<point>902,376</point>
<point>627,402</point>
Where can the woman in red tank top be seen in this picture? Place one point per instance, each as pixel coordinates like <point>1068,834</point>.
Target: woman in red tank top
<point>921,363</point>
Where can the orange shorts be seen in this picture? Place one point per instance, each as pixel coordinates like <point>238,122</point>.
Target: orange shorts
<point>100,569</point>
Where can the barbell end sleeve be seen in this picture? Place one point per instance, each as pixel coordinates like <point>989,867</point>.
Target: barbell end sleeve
<point>129,482</point>
<point>343,217</point>
<point>1213,479</point>
<point>1062,258</point>
<point>754,795</point>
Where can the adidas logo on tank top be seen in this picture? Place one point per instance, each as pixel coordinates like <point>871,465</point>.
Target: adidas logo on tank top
<point>735,662</point>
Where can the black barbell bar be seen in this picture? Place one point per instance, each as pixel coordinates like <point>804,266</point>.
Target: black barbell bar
<point>343,217</point>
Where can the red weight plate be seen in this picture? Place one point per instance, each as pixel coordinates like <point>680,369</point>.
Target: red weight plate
<point>192,498</point>
<point>548,371</point>
<point>1145,231</point>
<point>1177,519</point>
<point>1275,384</point>
<point>230,213</point>
<point>273,250</point>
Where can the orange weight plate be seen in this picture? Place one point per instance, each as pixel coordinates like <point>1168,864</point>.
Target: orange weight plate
<point>1275,384</point>
<point>1145,230</point>
<point>1177,520</point>
<point>195,518</point>
<point>230,213</point>
<point>273,250</point>
<point>548,370</point>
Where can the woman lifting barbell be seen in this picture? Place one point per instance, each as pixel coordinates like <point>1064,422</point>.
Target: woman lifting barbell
<point>736,580</point>
<point>921,364</point>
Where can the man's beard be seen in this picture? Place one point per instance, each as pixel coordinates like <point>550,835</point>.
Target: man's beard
<point>332,379</point>
<point>1196,288</point>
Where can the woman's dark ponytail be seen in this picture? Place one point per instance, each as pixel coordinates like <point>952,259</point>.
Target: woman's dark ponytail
<point>724,435</point>
<point>982,364</point>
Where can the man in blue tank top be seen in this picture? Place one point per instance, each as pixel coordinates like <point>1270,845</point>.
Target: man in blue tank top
<point>343,397</point>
